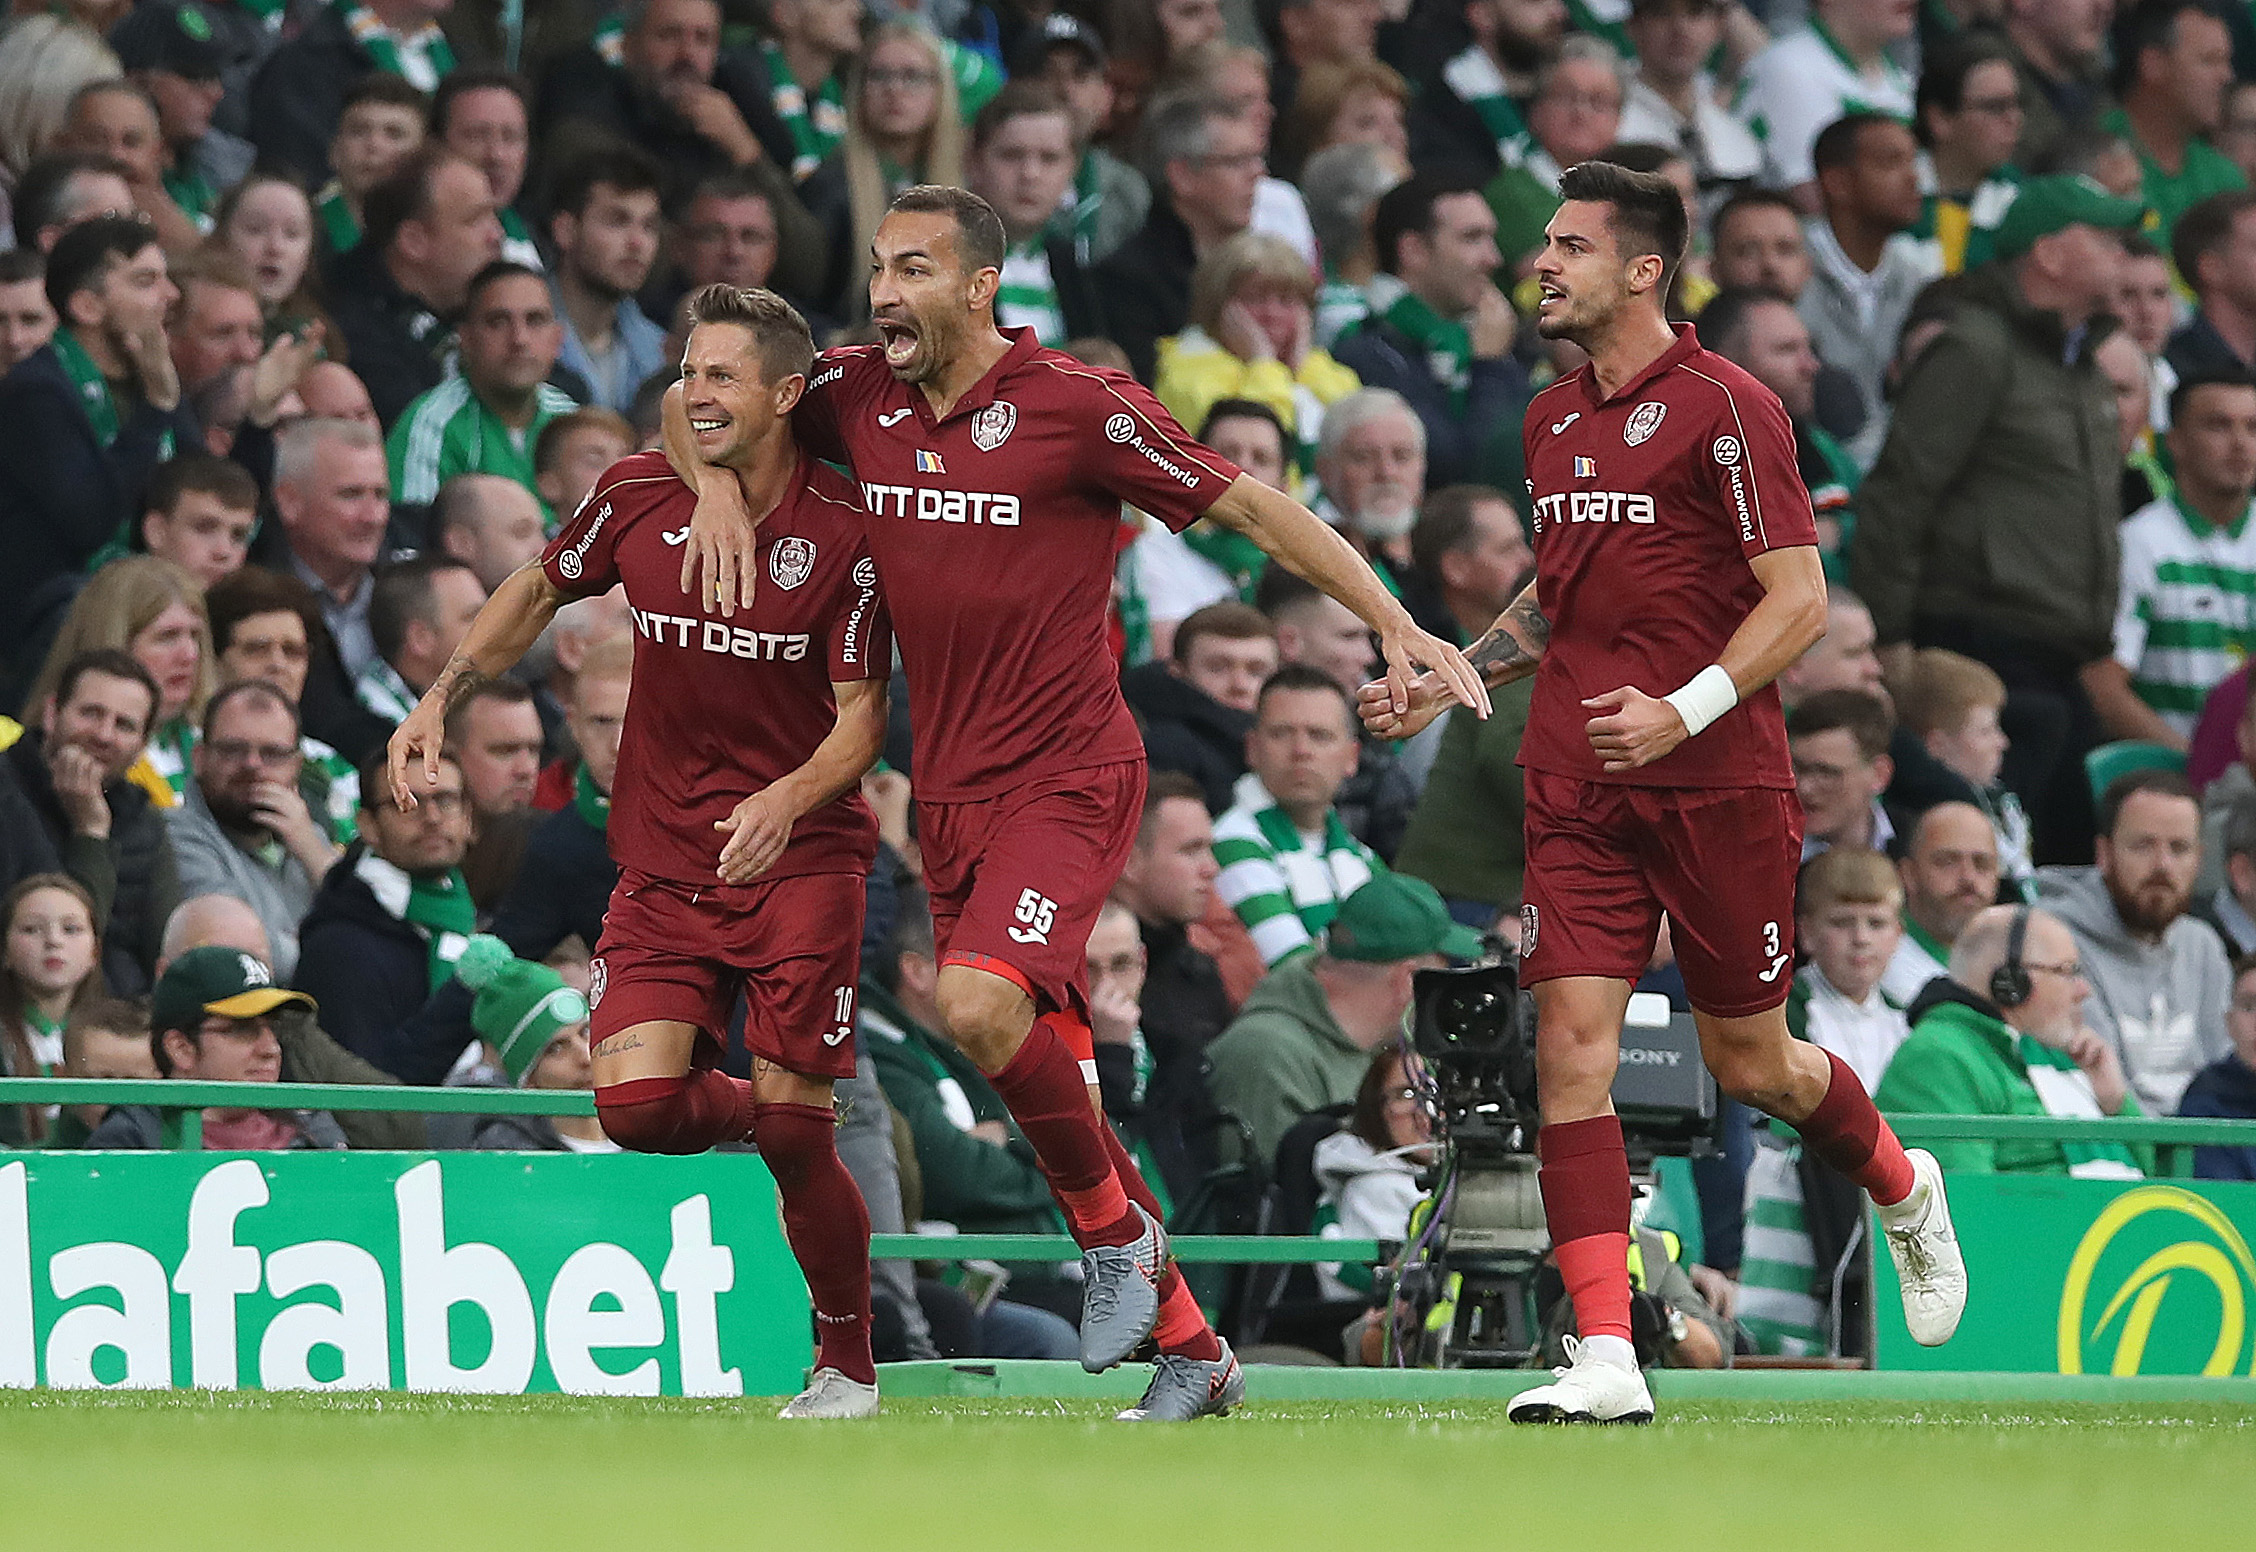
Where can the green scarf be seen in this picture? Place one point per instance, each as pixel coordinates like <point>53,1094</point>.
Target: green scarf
<point>94,396</point>
<point>439,909</point>
<point>382,45</point>
<point>2035,1053</point>
<point>1279,831</point>
<point>1445,343</point>
<point>1231,553</point>
<point>817,124</point>
<point>192,192</point>
<point>587,798</point>
<point>338,223</point>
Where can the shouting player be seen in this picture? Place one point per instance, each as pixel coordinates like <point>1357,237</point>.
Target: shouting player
<point>719,891</point>
<point>1676,574</point>
<point>994,472</point>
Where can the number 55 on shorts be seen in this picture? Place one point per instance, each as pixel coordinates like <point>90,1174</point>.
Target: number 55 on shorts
<point>1039,913</point>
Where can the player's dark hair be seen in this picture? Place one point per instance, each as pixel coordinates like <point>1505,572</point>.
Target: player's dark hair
<point>779,335</point>
<point>457,84</point>
<point>615,165</point>
<point>384,89</point>
<point>1409,207</point>
<point>498,270</point>
<point>1445,523</point>
<point>1246,409</point>
<point>2168,784</point>
<point>2205,230</point>
<point>114,662</point>
<point>224,480</point>
<point>405,592</point>
<point>1643,156</point>
<point>1723,322</point>
<point>1859,713</point>
<point>2153,24</point>
<point>1302,677</point>
<point>1228,620</point>
<point>549,447</point>
<point>980,243</point>
<point>1021,99</point>
<point>84,256</point>
<point>2181,396</point>
<point>248,690</point>
<point>1943,70</point>
<point>38,201</point>
<point>1647,212</point>
<point>251,590</point>
<point>1839,143</point>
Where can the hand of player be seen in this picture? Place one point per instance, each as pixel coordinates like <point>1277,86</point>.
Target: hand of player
<point>1408,649</point>
<point>2102,1066</point>
<point>77,779</point>
<point>758,830</point>
<point>1374,703</point>
<point>1635,728</point>
<point>722,546</point>
<point>416,742</point>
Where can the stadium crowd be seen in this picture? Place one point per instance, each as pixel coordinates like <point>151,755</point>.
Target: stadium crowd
<point>319,314</point>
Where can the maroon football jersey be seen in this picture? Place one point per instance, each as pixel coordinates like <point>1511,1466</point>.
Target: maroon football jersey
<point>1646,509</point>
<point>993,530</point>
<point>722,707</point>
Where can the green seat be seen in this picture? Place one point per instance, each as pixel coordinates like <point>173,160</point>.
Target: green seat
<point>2107,764</point>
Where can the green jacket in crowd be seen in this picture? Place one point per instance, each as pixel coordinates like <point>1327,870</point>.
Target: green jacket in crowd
<point>1996,497</point>
<point>1465,835</point>
<point>1962,1059</point>
<point>1284,1056</point>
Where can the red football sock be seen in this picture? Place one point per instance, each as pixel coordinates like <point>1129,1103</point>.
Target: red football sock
<point>1043,1088</point>
<point>1847,1133</point>
<point>676,1115</point>
<point>1585,1184</point>
<point>828,1222</point>
<point>1182,1328</point>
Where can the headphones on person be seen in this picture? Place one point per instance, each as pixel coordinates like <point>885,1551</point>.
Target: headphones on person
<point>2009,982</point>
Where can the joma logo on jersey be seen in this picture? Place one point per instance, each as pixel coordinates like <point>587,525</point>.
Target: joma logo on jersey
<point>941,506</point>
<point>681,630</point>
<point>1595,506</point>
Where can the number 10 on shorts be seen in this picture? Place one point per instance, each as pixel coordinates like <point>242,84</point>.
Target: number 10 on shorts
<point>1039,912</point>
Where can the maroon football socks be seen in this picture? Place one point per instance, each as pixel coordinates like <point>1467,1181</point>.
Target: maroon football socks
<point>1048,1099</point>
<point>828,1222</point>
<point>676,1115</point>
<point>1585,1184</point>
<point>1847,1133</point>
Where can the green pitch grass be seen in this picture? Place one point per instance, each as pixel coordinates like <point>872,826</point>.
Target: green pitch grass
<point>249,1472</point>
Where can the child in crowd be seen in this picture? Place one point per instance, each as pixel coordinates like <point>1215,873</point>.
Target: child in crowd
<point>46,967</point>
<point>105,1038</point>
<point>380,127</point>
<point>1848,915</point>
<point>1952,703</point>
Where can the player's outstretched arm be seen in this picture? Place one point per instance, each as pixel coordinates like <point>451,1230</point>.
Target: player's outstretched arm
<point>1509,650</point>
<point>760,826</point>
<point>503,632</point>
<point>1629,728</point>
<point>1307,546</point>
<point>723,533</point>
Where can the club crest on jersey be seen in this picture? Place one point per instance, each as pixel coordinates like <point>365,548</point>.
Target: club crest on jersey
<point>1586,468</point>
<point>1644,421</point>
<point>792,561</point>
<point>928,462</point>
<point>992,426</point>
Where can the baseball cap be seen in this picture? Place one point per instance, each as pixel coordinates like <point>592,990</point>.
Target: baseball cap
<point>175,38</point>
<point>222,981</point>
<point>1394,917</point>
<point>519,1005</point>
<point>2051,204</point>
<point>1057,31</point>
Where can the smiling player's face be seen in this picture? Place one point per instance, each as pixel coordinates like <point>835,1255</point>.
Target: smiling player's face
<point>920,298</point>
<point>732,409</point>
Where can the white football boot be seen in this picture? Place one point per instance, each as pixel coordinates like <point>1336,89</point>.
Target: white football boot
<point>1590,1389</point>
<point>831,1394</point>
<point>1929,1266</point>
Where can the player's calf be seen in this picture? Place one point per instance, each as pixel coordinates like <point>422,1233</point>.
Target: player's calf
<point>828,1225</point>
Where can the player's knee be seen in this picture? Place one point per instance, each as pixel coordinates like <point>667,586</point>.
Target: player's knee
<point>650,1115</point>
<point>985,1016</point>
<point>1748,1071</point>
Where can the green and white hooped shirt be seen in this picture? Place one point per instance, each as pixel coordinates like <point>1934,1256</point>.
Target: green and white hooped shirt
<point>1285,884</point>
<point>2187,616</point>
<point>1805,81</point>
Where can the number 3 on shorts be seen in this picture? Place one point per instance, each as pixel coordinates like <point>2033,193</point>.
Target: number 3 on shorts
<point>1039,912</point>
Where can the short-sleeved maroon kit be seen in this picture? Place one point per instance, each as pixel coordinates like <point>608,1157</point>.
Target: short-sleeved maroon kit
<point>1646,509</point>
<point>994,535</point>
<point>721,708</point>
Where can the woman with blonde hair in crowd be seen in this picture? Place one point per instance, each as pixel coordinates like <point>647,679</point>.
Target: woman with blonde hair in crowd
<point>153,610</point>
<point>903,127</point>
<point>50,962</point>
<point>44,61</point>
<point>1252,335</point>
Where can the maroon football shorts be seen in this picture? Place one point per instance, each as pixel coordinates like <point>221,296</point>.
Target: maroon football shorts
<point>1017,880</point>
<point>792,945</point>
<point>1605,860</point>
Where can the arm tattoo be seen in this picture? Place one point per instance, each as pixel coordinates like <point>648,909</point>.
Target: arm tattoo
<point>1513,645</point>
<point>458,681</point>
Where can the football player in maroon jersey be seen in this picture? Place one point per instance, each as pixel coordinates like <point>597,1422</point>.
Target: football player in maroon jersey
<point>1676,575</point>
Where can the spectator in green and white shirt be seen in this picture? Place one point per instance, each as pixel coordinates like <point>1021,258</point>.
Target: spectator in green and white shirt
<point>1021,162</point>
<point>2187,612</point>
<point>1836,65</point>
<point>489,419</point>
<point>1287,859</point>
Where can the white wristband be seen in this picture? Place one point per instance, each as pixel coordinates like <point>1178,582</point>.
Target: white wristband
<point>1706,696</point>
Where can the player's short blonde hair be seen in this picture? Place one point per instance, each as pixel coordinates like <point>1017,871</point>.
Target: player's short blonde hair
<point>1847,875</point>
<point>1939,689</point>
<point>786,348</point>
